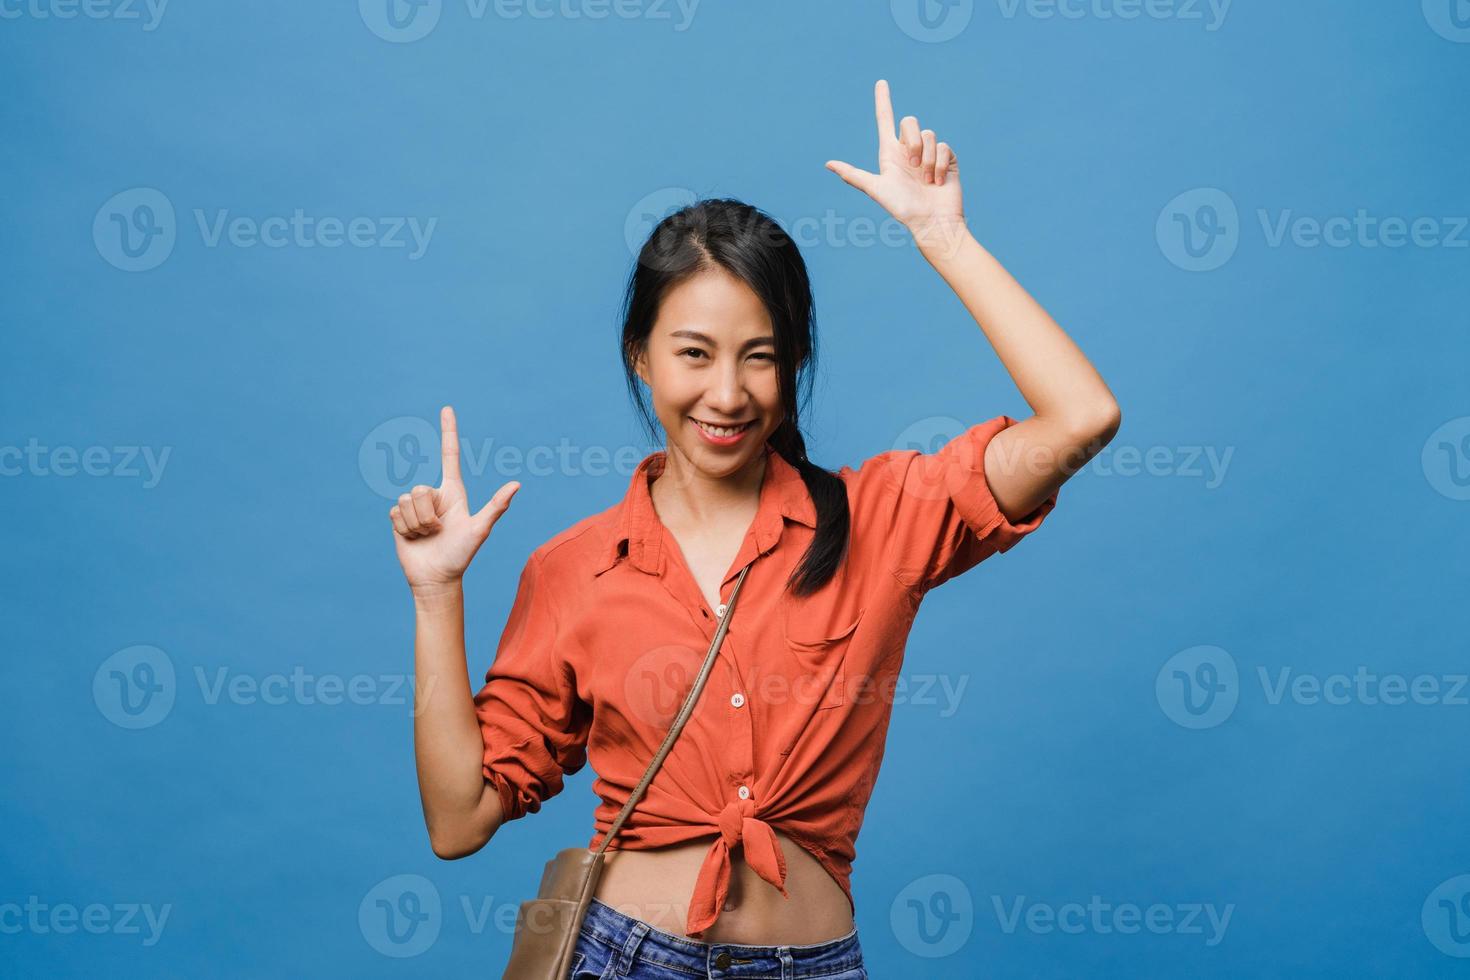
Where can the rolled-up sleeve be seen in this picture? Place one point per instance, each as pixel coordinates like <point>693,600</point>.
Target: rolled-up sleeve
<point>533,725</point>
<point>945,520</point>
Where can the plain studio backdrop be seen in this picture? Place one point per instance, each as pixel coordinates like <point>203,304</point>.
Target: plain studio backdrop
<point>1209,721</point>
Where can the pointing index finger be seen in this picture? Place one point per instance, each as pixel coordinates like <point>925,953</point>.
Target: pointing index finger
<point>449,443</point>
<point>883,106</point>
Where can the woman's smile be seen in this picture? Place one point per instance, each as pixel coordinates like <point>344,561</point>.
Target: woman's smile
<point>721,435</point>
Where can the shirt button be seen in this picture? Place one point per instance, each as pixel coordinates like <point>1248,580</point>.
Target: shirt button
<point>743,792</point>
<point>737,699</point>
<point>720,609</point>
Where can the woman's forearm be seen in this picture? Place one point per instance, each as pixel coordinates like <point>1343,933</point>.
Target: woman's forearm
<point>461,808</point>
<point>1050,371</point>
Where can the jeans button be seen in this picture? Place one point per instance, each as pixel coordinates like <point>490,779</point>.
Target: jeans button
<point>723,961</point>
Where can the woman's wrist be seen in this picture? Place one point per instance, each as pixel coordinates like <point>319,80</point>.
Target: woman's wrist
<point>438,596</point>
<point>940,239</point>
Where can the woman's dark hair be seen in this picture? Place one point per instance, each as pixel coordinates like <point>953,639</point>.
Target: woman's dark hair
<point>749,244</point>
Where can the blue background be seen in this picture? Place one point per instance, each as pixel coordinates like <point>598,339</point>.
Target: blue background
<point>1335,538</point>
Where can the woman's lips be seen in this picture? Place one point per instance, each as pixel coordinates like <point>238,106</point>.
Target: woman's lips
<point>715,440</point>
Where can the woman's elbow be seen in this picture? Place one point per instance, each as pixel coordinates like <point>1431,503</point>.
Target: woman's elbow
<point>452,849</point>
<point>463,836</point>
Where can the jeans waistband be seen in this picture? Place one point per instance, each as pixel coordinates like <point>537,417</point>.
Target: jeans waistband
<point>635,940</point>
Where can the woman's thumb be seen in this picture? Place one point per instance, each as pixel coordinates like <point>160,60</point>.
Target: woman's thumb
<point>853,175</point>
<point>498,505</point>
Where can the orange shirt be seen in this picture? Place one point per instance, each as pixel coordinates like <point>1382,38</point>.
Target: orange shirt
<point>609,629</point>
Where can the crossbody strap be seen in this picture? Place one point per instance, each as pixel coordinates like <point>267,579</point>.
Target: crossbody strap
<point>684,712</point>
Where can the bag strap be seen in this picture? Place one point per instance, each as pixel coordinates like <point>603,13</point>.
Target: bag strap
<point>684,712</point>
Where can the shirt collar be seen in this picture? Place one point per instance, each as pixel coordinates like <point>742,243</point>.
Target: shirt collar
<point>783,495</point>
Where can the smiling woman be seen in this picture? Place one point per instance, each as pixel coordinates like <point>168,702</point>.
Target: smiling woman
<point>740,848</point>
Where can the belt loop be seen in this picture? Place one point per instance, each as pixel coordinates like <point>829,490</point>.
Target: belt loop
<point>630,947</point>
<point>788,963</point>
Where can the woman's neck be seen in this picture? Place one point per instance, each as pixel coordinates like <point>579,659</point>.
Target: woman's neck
<point>684,496</point>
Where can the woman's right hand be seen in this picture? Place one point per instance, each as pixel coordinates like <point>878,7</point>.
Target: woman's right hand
<point>434,532</point>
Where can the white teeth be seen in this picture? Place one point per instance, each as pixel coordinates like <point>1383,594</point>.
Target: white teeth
<point>719,433</point>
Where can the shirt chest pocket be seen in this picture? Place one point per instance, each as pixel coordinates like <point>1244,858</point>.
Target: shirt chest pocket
<point>819,630</point>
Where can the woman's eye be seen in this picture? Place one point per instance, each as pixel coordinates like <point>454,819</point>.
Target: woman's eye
<point>696,352</point>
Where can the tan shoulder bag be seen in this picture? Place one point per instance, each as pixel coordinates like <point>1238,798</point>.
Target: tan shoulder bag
<point>547,926</point>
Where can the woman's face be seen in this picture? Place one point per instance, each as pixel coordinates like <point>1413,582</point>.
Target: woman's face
<point>711,358</point>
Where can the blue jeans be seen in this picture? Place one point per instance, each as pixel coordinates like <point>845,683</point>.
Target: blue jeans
<point>616,945</point>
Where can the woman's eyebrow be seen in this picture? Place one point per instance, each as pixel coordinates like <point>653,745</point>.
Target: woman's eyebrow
<point>706,339</point>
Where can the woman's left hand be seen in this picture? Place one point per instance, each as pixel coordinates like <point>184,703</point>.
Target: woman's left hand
<point>918,179</point>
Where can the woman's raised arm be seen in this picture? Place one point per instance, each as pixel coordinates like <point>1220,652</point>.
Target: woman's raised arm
<point>1075,415</point>
<point>436,537</point>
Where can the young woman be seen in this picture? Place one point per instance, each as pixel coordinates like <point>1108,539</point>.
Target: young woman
<point>739,854</point>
